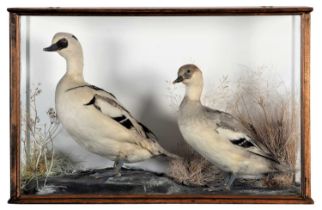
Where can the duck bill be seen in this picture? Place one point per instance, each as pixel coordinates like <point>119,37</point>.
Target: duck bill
<point>52,48</point>
<point>179,79</point>
<point>61,44</point>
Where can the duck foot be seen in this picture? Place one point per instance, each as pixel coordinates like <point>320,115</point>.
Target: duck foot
<point>117,171</point>
<point>106,174</point>
<point>228,182</point>
<point>221,188</point>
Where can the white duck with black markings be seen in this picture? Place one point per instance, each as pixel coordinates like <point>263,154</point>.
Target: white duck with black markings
<point>94,117</point>
<point>218,136</point>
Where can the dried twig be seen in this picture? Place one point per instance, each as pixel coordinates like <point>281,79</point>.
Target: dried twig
<point>41,154</point>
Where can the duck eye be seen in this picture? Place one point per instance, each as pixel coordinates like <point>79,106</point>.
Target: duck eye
<point>188,71</point>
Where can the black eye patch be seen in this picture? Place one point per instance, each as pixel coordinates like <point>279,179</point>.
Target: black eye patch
<point>74,37</point>
<point>62,43</point>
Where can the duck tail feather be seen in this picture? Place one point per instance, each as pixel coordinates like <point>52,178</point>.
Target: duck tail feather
<point>283,168</point>
<point>170,155</point>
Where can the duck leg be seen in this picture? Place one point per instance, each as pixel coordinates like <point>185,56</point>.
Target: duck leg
<point>229,180</point>
<point>117,167</point>
<point>116,171</point>
<point>225,186</point>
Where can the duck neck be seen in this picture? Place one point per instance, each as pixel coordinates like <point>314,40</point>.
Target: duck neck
<point>75,66</point>
<point>194,91</point>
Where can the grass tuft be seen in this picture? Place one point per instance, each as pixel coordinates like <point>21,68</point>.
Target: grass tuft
<point>192,169</point>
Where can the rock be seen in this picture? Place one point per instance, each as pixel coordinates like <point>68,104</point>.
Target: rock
<point>134,181</point>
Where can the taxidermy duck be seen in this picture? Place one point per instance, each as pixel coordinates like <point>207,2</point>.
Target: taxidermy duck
<point>218,136</point>
<point>94,117</point>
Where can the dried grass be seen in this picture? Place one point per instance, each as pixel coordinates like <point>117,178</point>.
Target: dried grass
<point>271,114</point>
<point>192,169</point>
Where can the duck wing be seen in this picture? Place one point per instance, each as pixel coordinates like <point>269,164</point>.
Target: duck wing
<point>106,103</point>
<point>234,131</point>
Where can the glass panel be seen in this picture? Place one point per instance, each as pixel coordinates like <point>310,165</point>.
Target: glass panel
<point>250,66</point>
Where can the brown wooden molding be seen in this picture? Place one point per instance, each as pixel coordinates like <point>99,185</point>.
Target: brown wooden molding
<point>14,105</point>
<point>305,105</point>
<point>57,11</point>
<point>137,199</point>
<point>14,25</point>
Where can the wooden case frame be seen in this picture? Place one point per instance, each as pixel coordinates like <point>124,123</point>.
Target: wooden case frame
<point>15,193</point>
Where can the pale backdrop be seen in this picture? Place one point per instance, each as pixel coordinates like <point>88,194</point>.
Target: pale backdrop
<point>135,58</point>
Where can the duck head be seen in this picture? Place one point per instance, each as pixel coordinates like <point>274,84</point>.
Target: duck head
<point>191,76</point>
<point>66,44</point>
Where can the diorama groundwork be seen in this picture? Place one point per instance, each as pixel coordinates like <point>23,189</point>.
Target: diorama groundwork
<point>135,181</point>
